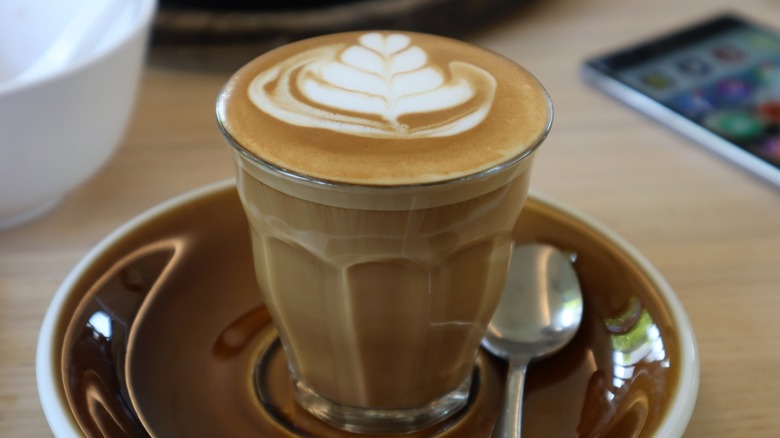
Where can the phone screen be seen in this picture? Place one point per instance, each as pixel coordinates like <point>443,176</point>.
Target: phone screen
<point>723,75</point>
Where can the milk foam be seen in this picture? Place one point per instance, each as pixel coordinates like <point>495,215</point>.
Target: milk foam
<point>383,108</point>
<point>365,88</point>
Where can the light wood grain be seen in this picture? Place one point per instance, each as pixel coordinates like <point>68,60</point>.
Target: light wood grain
<point>712,229</point>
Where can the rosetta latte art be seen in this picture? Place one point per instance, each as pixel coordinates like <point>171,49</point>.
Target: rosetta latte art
<point>365,89</point>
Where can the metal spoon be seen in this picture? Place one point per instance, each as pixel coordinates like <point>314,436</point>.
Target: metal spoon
<point>539,312</point>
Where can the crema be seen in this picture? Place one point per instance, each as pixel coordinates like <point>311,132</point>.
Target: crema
<point>384,108</point>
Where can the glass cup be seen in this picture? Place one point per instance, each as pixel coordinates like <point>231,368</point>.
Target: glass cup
<point>381,292</point>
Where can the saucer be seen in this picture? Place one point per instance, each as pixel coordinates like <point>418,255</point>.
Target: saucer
<point>159,329</point>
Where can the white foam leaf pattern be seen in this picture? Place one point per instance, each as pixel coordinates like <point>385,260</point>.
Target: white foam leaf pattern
<point>386,45</point>
<point>365,89</point>
<point>350,78</point>
<point>363,59</point>
<point>408,60</point>
<point>419,81</point>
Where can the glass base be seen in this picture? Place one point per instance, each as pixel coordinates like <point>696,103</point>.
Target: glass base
<point>381,421</point>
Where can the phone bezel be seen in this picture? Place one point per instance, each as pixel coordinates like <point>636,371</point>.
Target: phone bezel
<point>600,72</point>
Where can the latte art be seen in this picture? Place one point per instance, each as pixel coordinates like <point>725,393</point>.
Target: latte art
<point>375,88</point>
<point>383,108</point>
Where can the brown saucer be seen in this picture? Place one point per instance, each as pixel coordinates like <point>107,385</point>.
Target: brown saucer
<point>159,329</point>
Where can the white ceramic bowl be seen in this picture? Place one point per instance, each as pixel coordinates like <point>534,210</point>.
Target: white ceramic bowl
<point>59,128</point>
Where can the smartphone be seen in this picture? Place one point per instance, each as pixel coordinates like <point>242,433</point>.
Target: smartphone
<point>717,82</point>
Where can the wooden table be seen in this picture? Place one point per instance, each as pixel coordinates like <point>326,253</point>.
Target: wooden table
<point>712,229</point>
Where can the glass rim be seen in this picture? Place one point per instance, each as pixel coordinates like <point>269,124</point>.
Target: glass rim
<point>313,181</point>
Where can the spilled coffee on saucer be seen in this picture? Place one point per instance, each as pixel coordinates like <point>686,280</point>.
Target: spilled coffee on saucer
<point>382,174</point>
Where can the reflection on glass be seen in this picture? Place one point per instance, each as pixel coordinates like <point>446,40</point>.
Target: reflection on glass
<point>100,323</point>
<point>624,396</point>
<point>635,338</point>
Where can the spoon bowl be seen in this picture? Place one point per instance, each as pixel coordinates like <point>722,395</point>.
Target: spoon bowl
<point>538,314</point>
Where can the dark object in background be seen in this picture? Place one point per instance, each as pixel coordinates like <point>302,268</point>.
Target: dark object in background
<point>251,5</point>
<point>216,34</point>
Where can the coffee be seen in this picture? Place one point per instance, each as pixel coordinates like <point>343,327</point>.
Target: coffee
<point>382,174</point>
<point>387,109</point>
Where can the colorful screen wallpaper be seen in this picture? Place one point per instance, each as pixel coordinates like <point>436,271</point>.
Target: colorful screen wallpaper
<point>729,83</point>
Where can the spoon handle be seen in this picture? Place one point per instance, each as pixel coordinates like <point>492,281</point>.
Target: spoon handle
<point>510,420</point>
